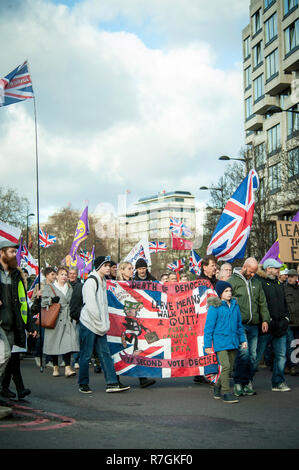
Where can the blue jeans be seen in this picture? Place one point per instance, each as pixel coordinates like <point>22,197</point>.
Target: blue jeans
<point>89,341</point>
<point>246,358</point>
<point>279,346</point>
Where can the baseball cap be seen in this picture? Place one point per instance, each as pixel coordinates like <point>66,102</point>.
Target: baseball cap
<point>292,272</point>
<point>271,263</point>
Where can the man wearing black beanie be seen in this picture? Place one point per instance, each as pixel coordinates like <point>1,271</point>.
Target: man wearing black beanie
<point>142,273</point>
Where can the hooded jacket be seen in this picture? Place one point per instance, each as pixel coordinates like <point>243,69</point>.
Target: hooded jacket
<point>251,299</point>
<point>277,306</point>
<point>223,327</point>
<point>94,314</point>
<point>292,299</point>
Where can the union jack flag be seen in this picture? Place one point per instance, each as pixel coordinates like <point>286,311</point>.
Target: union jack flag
<point>230,237</point>
<point>177,266</point>
<point>45,239</point>
<point>30,291</point>
<point>16,86</point>
<point>131,357</point>
<point>179,228</point>
<point>154,247</point>
<point>194,263</point>
<point>31,264</point>
<point>85,255</point>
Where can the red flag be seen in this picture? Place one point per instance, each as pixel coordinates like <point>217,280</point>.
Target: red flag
<point>178,243</point>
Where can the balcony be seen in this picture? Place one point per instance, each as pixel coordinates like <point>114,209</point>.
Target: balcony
<point>261,106</point>
<point>278,84</point>
<point>254,123</point>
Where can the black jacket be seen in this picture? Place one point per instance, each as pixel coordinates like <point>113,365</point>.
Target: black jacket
<point>149,277</point>
<point>19,327</point>
<point>76,302</point>
<point>292,299</point>
<point>277,305</point>
<point>212,280</point>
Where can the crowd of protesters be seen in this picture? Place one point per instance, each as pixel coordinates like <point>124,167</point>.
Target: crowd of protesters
<point>254,317</point>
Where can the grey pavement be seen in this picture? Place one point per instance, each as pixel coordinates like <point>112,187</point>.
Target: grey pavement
<point>172,414</point>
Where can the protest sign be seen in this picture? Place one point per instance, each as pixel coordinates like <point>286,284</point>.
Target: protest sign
<point>156,330</point>
<point>288,238</point>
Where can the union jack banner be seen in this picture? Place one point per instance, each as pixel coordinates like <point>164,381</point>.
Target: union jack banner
<point>30,291</point>
<point>155,247</point>
<point>194,263</point>
<point>230,237</point>
<point>179,228</point>
<point>85,255</point>
<point>157,330</point>
<point>31,264</point>
<point>177,266</point>
<point>45,239</point>
<point>16,86</point>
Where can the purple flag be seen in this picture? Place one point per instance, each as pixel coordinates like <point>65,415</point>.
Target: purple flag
<point>274,250</point>
<point>18,255</point>
<point>82,232</point>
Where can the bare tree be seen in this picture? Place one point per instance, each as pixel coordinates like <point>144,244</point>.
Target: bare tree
<point>13,207</point>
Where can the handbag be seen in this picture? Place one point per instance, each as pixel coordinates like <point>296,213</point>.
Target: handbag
<point>49,314</point>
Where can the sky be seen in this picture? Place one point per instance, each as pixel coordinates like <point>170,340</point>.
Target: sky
<point>138,95</point>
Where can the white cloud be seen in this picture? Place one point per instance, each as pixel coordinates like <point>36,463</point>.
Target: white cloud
<point>113,113</point>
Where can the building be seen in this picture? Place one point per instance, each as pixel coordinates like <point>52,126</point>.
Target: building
<point>271,96</point>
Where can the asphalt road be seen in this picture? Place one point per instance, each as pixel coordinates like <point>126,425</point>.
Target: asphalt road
<point>173,414</point>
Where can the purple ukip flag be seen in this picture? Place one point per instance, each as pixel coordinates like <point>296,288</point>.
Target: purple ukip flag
<point>82,232</point>
<point>274,250</point>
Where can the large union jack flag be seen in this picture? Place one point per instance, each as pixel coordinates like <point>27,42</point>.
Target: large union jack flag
<point>45,239</point>
<point>179,228</point>
<point>31,263</point>
<point>135,311</point>
<point>16,86</point>
<point>177,266</point>
<point>155,247</point>
<point>233,229</point>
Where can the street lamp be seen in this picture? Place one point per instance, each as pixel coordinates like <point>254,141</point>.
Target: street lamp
<point>226,157</point>
<point>214,189</point>
<point>278,109</point>
<point>27,224</point>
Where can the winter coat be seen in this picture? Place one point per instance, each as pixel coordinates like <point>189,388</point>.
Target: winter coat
<point>213,280</point>
<point>251,299</point>
<point>94,314</point>
<point>19,325</point>
<point>292,299</point>
<point>223,327</point>
<point>277,306</point>
<point>63,338</point>
<point>76,302</point>
<point>149,277</point>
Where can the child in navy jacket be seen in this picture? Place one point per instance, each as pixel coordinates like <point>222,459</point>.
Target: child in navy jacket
<point>224,330</point>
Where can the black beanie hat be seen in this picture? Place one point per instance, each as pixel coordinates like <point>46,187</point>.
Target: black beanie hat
<point>141,263</point>
<point>100,260</point>
<point>113,263</point>
<point>221,286</point>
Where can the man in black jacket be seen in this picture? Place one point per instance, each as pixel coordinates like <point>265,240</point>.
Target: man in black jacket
<point>279,322</point>
<point>142,273</point>
<point>291,289</point>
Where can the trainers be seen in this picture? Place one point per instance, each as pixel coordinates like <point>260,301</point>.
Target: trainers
<point>85,388</point>
<point>238,390</point>
<point>37,361</point>
<point>118,387</point>
<point>76,365</point>
<point>5,411</point>
<point>229,398</point>
<point>281,388</point>
<point>217,392</point>
<point>248,389</point>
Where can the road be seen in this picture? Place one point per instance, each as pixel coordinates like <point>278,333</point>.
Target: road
<point>172,414</point>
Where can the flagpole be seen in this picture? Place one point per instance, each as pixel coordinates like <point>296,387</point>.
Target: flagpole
<point>38,246</point>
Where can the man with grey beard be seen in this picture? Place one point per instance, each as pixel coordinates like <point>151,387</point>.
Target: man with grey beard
<point>248,292</point>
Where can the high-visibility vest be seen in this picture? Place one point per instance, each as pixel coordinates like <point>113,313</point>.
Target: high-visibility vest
<point>23,301</point>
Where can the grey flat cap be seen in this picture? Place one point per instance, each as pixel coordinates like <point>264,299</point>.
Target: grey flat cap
<point>8,244</point>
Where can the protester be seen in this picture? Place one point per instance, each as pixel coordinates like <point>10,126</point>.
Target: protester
<point>13,306</point>
<point>291,290</point>
<point>173,277</point>
<point>278,326</point>
<point>208,269</point>
<point>283,276</point>
<point>125,273</point>
<point>50,276</point>
<point>184,278</point>
<point>142,273</point>
<point>93,325</point>
<point>76,304</point>
<point>63,339</point>
<point>225,272</point>
<point>248,292</point>
<point>164,278</point>
<point>224,330</point>
<point>113,270</point>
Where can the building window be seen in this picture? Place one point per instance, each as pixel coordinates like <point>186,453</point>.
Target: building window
<point>258,86</point>
<point>268,3</point>
<point>256,22</point>
<point>247,77</point>
<point>288,5</point>
<point>291,37</point>
<point>273,138</point>
<point>293,121</point>
<point>271,28</point>
<point>248,108</point>
<point>274,177</point>
<point>247,47</point>
<point>272,64</point>
<point>262,188</point>
<point>257,55</point>
<point>293,163</point>
<point>260,155</point>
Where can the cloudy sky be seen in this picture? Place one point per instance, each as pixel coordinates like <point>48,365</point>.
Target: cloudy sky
<point>142,95</point>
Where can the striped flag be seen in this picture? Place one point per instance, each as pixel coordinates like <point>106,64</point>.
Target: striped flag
<point>155,247</point>
<point>10,233</point>
<point>179,228</point>
<point>45,239</point>
<point>194,263</point>
<point>16,86</point>
<point>177,266</point>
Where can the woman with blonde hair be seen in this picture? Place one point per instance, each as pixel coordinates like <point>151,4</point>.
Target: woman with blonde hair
<point>63,339</point>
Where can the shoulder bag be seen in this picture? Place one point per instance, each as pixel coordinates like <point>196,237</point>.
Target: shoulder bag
<point>49,314</point>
